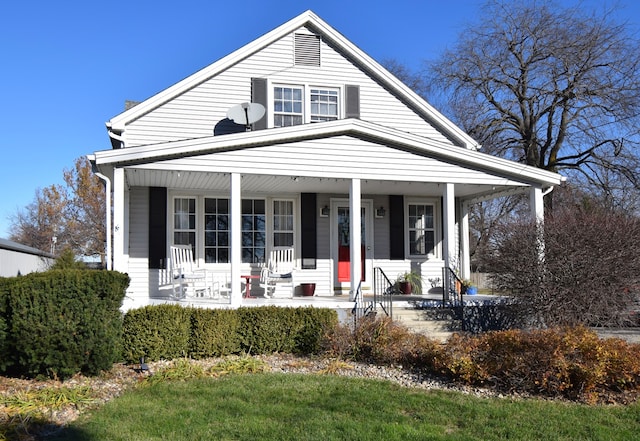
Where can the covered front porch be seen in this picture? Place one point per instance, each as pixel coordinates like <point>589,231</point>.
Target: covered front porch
<point>236,197</point>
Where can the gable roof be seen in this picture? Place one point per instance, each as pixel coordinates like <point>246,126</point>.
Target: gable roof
<point>352,127</point>
<point>117,124</point>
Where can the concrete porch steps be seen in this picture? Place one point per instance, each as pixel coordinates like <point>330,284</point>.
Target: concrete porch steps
<point>417,321</point>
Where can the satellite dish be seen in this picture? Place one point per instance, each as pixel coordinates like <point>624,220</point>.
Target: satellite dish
<point>246,113</point>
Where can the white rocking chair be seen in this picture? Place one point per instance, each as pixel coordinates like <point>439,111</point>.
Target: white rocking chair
<point>186,280</point>
<point>279,272</point>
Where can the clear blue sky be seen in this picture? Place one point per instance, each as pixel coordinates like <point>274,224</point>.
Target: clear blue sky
<point>68,66</point>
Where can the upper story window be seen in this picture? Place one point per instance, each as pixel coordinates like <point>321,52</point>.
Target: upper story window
<point>294,105</point>
<point>287,106</point>
<point>324,105</point>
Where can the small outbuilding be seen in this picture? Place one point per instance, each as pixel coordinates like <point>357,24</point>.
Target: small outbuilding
<point>17,259</point>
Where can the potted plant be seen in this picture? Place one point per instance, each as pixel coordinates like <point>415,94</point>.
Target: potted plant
<point>466,287</point>
<point>409,282</point>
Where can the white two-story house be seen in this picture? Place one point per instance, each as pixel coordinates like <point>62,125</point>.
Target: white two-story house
<point>341,142</point>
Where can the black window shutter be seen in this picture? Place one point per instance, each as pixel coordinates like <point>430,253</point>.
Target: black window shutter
<point>259,95</point>
<point>308,246</point>
<point>396,227</point>
<point>157,227</point>
<point>352,101</point>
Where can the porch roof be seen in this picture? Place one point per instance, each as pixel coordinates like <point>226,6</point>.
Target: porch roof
<point>164,164</point>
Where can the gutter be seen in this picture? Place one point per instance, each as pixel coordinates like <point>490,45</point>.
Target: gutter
<point>107,182</point>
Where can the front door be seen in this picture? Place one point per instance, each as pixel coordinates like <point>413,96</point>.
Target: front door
<point>341,243</point>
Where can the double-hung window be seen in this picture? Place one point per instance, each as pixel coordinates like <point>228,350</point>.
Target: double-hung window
<point>287,106</point>
<point>421,229</point>
<point>294,105</point>
<point>205,224</point>
<point>253,230</point>
<point>184,221</point>
<point>324,105</point>
<point>216,230</point>
<point>282,223</point>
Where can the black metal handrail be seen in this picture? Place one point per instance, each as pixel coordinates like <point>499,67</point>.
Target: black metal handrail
<point>452,287</point>
<point>383,291</point>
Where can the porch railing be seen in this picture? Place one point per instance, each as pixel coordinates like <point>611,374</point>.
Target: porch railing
<point>452,289</point>
<point>383,291</point>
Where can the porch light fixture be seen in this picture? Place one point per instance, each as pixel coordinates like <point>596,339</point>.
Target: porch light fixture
<point>324,211</point>
<point>380,212</point>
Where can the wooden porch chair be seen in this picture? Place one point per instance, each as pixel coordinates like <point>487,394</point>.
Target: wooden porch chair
<point>279,272</point>
<point>221,285</point>
<point>187,281</point>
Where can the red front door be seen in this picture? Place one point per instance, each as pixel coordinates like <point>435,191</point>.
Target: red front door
<point>344,245</point>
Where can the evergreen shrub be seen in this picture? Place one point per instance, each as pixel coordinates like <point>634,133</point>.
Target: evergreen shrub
<point>64,322</point>
<point>214,333</point>
<point>171,331</point>
<point>156,332</point>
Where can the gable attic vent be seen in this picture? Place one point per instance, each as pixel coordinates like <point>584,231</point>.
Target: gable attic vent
<point>307,50</point>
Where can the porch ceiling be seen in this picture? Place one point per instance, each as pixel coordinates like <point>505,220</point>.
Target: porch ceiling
<point>268,184</point>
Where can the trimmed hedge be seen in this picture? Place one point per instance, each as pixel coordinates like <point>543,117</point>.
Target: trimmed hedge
<point>59,323</point>
<point>170,331</point>
<point>156,332</point>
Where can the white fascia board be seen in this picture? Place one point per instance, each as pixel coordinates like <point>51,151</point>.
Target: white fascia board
<point>352,127</point>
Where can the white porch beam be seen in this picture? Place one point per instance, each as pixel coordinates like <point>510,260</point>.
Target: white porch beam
<point>355,219</point>
<point>236,239</point>
<point>465,252</point>
<point>119,258</point>
<point>448,198</point>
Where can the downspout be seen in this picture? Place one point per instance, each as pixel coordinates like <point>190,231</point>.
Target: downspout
<point>547,191</point>
<point>115,137</point>
<point>107,199</point>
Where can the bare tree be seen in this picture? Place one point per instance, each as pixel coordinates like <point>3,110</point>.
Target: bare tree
<point>85,210</point>
<point>65,217</point>
<point>588,273</point>
<point>555,88</point>
<point>41,223</point>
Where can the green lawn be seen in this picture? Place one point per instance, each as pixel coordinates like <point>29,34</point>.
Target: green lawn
<point>324,407</point>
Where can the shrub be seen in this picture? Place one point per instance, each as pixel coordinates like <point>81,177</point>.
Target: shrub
<point>571,363</point>
<point>268,329</point>
<point>170,331</point>
<point>64,322</point>
<point>156,332</point>
<point>380,340</point>
<point>214,332</point>
<point>586,277</point>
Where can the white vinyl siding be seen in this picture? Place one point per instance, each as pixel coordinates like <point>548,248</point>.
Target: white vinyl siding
<point>196,112</point>
<point>338,157</point>
<point>144,282</point>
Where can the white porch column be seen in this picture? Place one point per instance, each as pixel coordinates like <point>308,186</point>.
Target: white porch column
<point>449,239</point>
<point>236,239</point>
<point>465,252</point>
<point>119,258</point>
<point>355,216</point>
<point>536,204</point>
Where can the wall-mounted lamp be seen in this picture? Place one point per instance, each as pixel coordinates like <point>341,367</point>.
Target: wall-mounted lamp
<point>380,212</point>
<point>324,211</point>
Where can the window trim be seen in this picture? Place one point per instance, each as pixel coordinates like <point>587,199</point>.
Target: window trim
<point>306,99</point>
<point>437,229</point>
<point>199,252</point>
